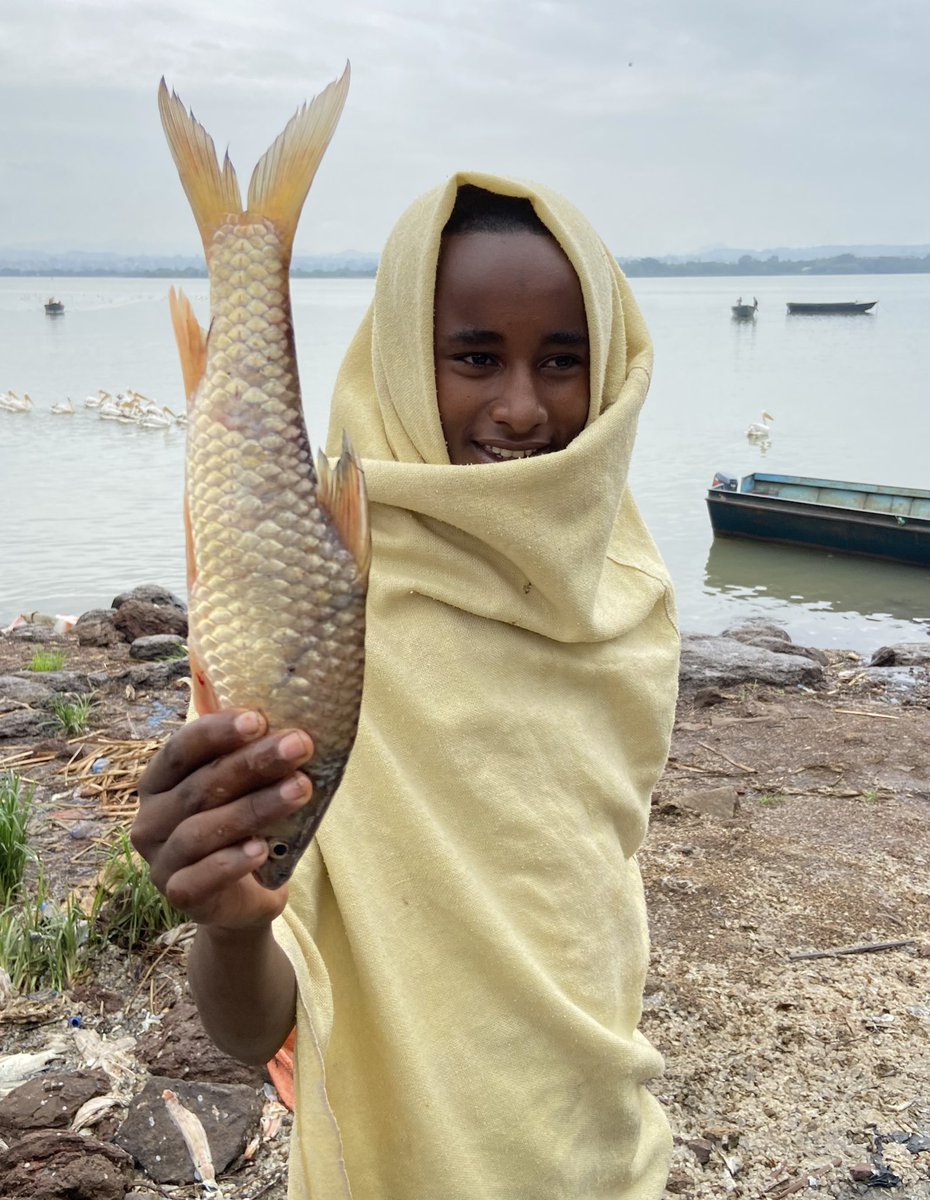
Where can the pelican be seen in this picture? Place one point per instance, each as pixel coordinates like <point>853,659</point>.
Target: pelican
<point>13,403</point>
<point>760,433</point>
<point>156,418</point>
<point>65,407</point>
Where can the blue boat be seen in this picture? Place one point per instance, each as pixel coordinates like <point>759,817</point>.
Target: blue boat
<point>827,514</point>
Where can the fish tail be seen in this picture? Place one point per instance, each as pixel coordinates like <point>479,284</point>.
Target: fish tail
<point>341,491</point>
<point>213,191</point>
<point>282,176</point>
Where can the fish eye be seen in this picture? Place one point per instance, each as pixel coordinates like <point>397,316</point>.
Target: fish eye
<point>278,849</point>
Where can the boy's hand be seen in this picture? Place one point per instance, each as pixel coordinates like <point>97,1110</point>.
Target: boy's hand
<point>204,799</point>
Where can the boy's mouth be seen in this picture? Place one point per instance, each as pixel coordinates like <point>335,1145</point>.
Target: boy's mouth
<point>505,453</point>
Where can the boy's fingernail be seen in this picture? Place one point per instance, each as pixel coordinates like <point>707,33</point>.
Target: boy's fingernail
<point>254,848</point>
<point>293,788</point>
<point>248,724</point>
<point>293,745</point>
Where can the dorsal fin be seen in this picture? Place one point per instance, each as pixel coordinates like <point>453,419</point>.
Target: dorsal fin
<point>341,491</point>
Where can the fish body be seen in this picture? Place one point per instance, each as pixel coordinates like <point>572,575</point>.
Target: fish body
<point>277,549</point>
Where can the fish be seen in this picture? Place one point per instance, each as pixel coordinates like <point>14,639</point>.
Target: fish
<point>278,548</point>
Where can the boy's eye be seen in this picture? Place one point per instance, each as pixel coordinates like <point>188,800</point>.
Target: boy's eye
<point>476,359</point>
<point>562,362</point>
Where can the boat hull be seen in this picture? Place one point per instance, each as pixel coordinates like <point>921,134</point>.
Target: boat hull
<point>835,515</point>
<point>839,308</point>
<point>743,312</point>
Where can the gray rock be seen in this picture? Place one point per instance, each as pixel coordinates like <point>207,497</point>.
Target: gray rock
<point>150,593</point>
<point>23,724</point>
<point>902,654</point>
<point>759,632</point>
<point>49,1101</point>
<point>157,674</point>
<point>228,1113</point>
<point>141,618</point>
<point>74,683</point>
<point>96,628</point>
<point>36,633</point>
<point>721,802</point>
<point>17,690</point>
<point>160,645</point>
<point>723,661</point>
<point>56,1164</point>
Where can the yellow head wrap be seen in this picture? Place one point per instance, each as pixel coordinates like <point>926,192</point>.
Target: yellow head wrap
<point>468,930</point>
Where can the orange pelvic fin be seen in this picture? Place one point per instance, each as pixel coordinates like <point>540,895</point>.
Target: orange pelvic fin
<point>191,340</point>
<point>341,491</point>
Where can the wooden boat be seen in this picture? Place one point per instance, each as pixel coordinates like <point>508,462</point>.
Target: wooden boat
<point>829,514</point>
<point>744,312</point>
<point>53,307</point>
<point>832,308</point>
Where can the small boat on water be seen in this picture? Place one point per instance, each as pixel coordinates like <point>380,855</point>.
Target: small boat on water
<point>53,307</point>
<point>828,514</point>
<point>832,308</point>
<point>744,312</point>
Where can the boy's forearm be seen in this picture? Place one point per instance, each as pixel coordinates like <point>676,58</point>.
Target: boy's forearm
<point>245,990</point>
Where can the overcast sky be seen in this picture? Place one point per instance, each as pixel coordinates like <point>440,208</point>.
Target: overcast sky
<point>675,125</point>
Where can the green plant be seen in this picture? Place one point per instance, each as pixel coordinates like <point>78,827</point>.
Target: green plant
<point>72,713</point>
<point>15,808</point>
<point>127,907</point>
<point>46,660</point>
<point>43,944</point>
<point>771,801</point>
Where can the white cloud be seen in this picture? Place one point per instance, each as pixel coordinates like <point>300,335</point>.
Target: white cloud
<point>673,124</point>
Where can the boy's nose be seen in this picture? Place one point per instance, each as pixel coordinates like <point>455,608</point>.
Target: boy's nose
<point>518,404</point>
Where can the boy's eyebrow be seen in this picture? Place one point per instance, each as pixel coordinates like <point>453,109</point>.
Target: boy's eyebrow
<point>484,337</point>
<point>475,337</point>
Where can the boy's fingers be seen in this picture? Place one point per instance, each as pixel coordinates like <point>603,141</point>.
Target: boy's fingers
<point>205,833</point>
<point>199,743</point>
<point>196,889</point>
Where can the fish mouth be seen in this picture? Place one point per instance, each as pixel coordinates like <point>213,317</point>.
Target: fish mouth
<point>500,452</point>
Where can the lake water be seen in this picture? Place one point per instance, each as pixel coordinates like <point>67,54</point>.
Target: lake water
<point>91,507</point>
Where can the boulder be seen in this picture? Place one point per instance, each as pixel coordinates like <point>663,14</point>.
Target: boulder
<point>724,661</point>
<point>150,593</point>
<point>902,654</point>
<point>180,1047</point>
<point>158,646</point>
<point>139,618</point>
<point>49,1101</point>
<point>229,1114</point>
<point>18,690</point>
<point>96,628</point>
<point>56,1164</point>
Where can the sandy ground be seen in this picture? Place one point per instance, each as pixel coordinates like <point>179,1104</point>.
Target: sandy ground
<point>787,1073</point>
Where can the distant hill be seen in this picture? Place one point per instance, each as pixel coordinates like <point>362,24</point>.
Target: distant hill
<point>812,260</point>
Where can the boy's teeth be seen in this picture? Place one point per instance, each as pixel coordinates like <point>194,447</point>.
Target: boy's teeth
<point>502,453</point>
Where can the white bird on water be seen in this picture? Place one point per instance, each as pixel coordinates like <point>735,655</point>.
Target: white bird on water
<point>63,406</point>
<point>760,432</point>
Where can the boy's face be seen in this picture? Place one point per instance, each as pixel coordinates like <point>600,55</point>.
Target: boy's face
<point>511,347</point>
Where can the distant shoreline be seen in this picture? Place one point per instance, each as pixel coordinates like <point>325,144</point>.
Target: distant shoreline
<point>635,268</point>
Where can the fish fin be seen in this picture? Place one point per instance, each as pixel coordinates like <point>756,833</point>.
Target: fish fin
<point>341,491</point>
<point>191,340</point>
<point>282,176</point>
<point>213,192</point>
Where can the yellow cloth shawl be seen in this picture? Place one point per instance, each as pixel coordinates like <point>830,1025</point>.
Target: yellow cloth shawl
<point>468,929</point>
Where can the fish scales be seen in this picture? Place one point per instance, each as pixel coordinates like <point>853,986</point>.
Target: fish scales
<point>278,551</point>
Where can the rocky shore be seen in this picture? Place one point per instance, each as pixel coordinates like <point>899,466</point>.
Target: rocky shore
<point>788,879</point>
